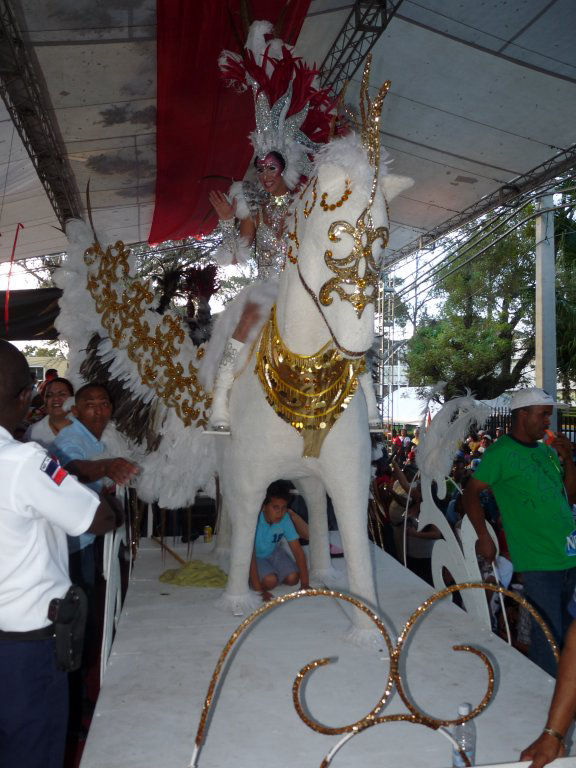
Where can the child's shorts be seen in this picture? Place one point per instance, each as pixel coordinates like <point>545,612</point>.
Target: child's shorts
<point>280,563</point>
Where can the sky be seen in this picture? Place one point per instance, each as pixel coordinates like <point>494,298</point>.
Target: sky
<point>19,279</point>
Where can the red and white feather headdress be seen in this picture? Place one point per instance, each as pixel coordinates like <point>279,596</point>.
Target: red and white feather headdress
<point>293,116</point>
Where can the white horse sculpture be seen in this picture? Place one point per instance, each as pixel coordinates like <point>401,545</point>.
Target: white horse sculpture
<point>308,362</point>
<point>325,302</point>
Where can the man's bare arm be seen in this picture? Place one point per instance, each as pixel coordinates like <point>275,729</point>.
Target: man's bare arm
<point>119,470</point>
<point>473,508</point>
<point>105,518</point>
<point>399,475</point>
<point>563,446</point>
<point>547,746</point>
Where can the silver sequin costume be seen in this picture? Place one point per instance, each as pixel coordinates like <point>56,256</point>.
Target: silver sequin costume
<point>270,243</point>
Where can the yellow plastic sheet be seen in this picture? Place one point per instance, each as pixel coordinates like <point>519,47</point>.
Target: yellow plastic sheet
<point>195,574</point>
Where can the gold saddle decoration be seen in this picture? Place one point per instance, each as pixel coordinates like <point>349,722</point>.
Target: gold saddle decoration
<point>122,303</point>
<point>309,392</point>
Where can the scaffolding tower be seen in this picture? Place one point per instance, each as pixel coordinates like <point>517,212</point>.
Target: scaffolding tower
<point>386,378</point>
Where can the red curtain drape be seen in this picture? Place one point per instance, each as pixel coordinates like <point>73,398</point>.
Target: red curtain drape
<point>202,126</point>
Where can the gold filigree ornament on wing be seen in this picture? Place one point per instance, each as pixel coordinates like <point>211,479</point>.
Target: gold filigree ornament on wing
<point>122,302</point>
<point>359,270</point>
<point>309,392</point>
<point>393,680</point>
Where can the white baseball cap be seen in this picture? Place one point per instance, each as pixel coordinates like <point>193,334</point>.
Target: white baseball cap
<point>524,398</point>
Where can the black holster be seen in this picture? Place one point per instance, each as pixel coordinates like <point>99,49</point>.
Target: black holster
<point>68,615</point>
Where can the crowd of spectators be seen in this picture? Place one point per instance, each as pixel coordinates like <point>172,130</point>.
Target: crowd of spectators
<point>528,471</point>
<point>397,496</point>
<point>72,427</point>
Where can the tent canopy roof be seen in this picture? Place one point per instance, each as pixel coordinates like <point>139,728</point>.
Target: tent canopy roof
<point>481,93</point>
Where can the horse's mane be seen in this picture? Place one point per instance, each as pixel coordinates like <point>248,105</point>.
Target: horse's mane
<point>348,153</point>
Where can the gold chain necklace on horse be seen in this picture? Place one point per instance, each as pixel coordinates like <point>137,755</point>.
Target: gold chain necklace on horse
<point>309,392</point>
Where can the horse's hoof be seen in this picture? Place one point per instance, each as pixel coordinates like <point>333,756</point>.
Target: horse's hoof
<point>239,605</point>
<point>366,638</point>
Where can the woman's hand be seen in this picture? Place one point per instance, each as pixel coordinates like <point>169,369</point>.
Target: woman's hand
<point>224,209</point>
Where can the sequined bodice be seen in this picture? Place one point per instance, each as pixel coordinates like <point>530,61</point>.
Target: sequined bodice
<point>270,241</point>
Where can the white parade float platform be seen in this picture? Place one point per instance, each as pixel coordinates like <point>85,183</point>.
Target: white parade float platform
<point>169,639</point>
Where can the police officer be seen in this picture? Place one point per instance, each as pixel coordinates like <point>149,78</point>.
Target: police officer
<point>40,503</point>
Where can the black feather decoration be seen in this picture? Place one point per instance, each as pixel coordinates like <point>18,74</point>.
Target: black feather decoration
<point>132,415</point>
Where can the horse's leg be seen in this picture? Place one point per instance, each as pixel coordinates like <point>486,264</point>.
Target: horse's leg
<point>374,417</point>
<point>314,495</point>
<point>244,506</point>
<point>224,530</point>
<point>349,492</point>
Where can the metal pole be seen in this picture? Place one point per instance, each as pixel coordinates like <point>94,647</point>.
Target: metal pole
<point>546,300</point>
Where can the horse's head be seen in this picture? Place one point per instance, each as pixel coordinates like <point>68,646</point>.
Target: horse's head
<point>338,234</point>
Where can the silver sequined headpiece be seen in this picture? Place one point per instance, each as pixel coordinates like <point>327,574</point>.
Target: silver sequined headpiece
<point>275,132</point>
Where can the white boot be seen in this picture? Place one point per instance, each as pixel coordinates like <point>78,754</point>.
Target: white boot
<point>220,418</point>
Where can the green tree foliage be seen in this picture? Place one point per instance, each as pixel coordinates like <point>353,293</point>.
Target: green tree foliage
<point>51,349</point>
<point>481,336</point>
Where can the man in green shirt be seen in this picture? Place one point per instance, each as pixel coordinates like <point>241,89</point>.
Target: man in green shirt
<point>534,492</point>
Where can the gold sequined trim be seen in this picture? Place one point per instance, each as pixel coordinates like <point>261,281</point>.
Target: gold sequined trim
<point>308,210</point>
<point>122,303</point>
<point>309,392</point>
<point>326,206</point>
<point>359,269</point>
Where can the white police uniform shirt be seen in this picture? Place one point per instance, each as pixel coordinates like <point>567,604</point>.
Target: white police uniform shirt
<point>39,504</point>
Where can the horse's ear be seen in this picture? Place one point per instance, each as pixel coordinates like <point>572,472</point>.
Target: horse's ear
<point>393,185</point>
<point>330,175</point>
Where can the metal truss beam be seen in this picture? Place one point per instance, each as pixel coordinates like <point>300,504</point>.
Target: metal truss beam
<point>24,94</point>
<point>509,195</point>
<point>366,22</point>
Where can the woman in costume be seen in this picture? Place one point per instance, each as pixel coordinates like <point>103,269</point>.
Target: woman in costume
<point>293,118</point>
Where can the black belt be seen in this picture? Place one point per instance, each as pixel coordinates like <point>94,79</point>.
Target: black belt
<point>33,634</point>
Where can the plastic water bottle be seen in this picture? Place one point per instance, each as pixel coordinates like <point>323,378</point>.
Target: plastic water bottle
<point>465,735</point>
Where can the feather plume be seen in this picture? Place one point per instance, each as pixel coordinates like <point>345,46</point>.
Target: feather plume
<point>166,449</point>
<point>445,433</point>
<point>292,113</point>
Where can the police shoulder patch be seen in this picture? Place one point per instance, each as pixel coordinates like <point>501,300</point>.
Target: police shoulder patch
<point>51,467</point>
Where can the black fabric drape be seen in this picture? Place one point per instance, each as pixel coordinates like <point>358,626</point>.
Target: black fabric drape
<point>32,313</point>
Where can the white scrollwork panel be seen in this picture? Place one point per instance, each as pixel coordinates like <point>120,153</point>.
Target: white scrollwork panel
<point>459,560</point>
<point>113,600</point>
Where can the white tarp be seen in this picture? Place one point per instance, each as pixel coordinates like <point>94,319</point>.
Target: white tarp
<point>406,407</point>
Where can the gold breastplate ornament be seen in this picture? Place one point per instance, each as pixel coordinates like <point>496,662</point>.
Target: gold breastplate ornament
<point>309,392</point>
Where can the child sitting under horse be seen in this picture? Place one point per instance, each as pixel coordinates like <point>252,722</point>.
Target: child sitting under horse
<point>271,564</point>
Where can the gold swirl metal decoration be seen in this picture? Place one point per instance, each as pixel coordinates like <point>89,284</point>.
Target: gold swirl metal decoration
<point>359,269</point>
<point>309,392</point>
<point>347,269</point>
<point>122,303</point>
<point>393,679</point>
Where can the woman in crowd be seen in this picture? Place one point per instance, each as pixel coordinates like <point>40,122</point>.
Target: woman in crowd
<point>56,392</point>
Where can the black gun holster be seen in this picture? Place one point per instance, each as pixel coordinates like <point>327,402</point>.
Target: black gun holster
<point>68,615</point>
